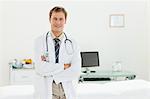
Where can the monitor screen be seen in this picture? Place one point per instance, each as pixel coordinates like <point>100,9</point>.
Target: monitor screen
<point>90,59</point>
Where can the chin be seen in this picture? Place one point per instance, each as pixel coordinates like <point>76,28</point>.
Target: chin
<point>58,30</point>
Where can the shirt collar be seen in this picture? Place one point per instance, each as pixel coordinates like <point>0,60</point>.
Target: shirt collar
<point>60,37</point>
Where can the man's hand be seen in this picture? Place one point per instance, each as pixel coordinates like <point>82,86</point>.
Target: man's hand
<point>66,66</point>
<point>43,58</point>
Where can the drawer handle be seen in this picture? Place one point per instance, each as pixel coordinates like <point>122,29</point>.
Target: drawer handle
<point>24,76</point>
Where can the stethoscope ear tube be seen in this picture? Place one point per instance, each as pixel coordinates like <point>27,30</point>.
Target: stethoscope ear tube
<point>47,41</point>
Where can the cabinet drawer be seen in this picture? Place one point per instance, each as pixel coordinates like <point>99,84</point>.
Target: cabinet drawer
<point>22,76</point>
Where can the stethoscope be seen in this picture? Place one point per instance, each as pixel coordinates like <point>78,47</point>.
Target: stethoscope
<point>69,49</point>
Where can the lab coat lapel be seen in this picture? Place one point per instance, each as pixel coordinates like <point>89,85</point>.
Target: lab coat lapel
<point>61,51</point>
<point>51,49</point>
<point>63,56</point>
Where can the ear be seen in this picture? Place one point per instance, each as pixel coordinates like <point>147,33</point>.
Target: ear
<point>65,21</point>
<point>50,20</point>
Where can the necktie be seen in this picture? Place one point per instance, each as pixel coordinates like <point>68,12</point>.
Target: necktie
<point>57,46</point>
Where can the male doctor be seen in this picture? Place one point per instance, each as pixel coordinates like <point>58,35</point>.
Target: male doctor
<point>57,60</point>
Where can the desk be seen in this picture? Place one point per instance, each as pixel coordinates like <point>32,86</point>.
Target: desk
<point>107,75</point>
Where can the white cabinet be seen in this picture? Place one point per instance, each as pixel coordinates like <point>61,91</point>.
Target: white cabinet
<point>22,76</point>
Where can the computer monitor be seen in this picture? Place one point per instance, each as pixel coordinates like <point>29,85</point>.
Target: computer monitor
<point>90,59</point>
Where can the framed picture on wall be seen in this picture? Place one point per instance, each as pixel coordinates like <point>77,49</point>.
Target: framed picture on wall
<point>116,20</point>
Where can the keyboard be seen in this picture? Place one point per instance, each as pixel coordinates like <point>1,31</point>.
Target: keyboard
<point>96,79</point>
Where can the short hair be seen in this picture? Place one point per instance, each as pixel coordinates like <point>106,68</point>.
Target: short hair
<point>58,9</point>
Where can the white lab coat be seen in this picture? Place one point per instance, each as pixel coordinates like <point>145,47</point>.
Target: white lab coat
<point>46,72</point>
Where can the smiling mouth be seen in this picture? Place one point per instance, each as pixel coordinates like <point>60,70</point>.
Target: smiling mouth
<point>57,26</point>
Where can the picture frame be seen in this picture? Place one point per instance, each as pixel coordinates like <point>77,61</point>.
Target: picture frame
<point>116,20</point>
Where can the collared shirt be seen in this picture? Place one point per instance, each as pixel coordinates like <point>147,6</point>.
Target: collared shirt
<point>60,37</point>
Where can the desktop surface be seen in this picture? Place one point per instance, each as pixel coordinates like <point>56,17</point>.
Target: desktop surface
<point>105,75</point>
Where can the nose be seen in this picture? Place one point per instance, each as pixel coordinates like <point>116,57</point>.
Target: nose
<point>58,22</point>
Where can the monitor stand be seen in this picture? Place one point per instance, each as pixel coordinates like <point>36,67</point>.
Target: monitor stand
<point>88,71</point>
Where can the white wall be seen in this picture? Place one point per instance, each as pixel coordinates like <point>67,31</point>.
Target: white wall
<point>87,21</point>
<point>149,35</point>
<point>0,45</point>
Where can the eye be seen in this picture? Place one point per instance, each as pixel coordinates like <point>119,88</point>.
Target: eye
<point>61,19</point>
<point>55,19</point>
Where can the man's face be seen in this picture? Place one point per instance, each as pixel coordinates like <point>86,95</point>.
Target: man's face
<point>57,21</point>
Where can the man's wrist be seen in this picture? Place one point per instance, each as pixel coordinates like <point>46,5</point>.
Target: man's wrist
<point>66,66</point>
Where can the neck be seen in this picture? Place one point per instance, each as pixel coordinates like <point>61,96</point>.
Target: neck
<point>57,34</point>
